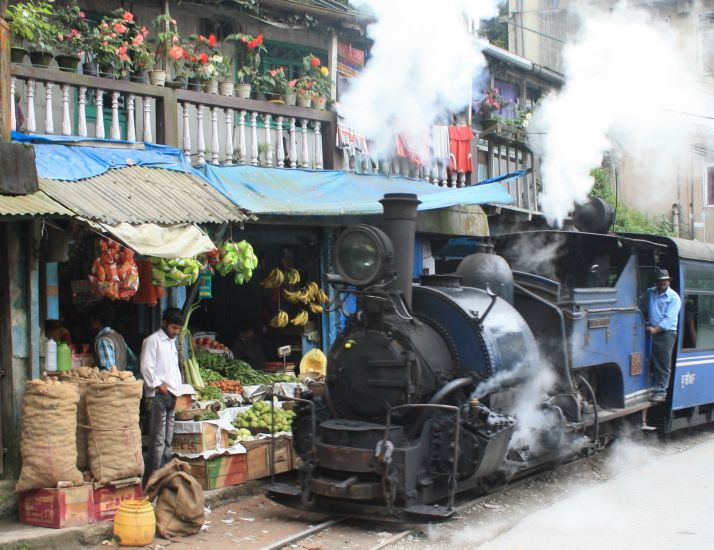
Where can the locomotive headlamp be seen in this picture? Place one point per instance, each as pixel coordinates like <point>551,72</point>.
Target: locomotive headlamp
<point>363,255</point>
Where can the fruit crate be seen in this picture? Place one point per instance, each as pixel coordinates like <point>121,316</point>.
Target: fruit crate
<point>56,508</point>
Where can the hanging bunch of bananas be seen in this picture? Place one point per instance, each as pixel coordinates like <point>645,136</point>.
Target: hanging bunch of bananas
<point>315,308</point>
<point>300,320</point>
<point>274,279</point>
<point>292,276</point>
<point>280,320</point>
<point>310,294</point>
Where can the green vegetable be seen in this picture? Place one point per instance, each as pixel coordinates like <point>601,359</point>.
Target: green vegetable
<point>208,415</point>
<point>209,393</point>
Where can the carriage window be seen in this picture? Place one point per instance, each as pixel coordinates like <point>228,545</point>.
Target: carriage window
<point>698,321</point>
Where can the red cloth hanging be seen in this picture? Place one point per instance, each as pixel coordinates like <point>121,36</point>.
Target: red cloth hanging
<point>460,144</point>
<point>404,151</point>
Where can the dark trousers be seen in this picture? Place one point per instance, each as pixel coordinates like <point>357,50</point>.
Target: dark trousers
<point>161,430</point>
<point>662,347</point>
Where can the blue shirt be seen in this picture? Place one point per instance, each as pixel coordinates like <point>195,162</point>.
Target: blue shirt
<point>663,309</point>
<point>105,350</point>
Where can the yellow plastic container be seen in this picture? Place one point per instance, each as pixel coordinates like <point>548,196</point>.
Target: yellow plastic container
<point>135,523</point>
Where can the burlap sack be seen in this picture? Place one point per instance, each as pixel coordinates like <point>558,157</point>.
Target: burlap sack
<point>113,435</point>
<point>82,458</point>
<point>179,500</point>
<point>48,442</point>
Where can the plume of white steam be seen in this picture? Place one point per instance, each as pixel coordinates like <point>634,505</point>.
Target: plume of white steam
<point>421,67</point>
<point>628,81</point>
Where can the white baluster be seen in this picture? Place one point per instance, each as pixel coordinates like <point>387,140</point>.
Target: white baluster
<point>148,138</point>
<point>395,165</point>
<point>268,141</point>
<point>443,174</point>
<point>318,147</point>
<point>453,179</point>
<point>229,136</point>
<point>31,124</point>
<point>99,100</point>
<point>82,106</point>
<point>13,122</point>
<point>462,179</point>
<point>242,153</point>
<point>214,135</point>
<point>66,124</point>
<point>131,118</point>
<point>346,159</point>
<point>186,130</point>
<point>280,154</point>
<point>115,131</point>
<point>293,144</point>
<point>49,122</point>
<point>201,140</point>
<point>254,138</point>
<point>305,152</point>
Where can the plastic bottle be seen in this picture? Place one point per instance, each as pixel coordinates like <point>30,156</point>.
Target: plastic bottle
<point>64,357</point>
<point>50,355</point>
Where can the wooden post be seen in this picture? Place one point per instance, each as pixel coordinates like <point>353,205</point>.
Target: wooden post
<point>6,99</point>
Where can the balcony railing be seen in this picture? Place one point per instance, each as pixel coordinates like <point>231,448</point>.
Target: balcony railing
<point>207,127</point>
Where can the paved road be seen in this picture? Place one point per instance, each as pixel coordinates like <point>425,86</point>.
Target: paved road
<point>637,496</point>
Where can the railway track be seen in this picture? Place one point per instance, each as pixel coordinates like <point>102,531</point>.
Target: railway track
<point>335,533</point>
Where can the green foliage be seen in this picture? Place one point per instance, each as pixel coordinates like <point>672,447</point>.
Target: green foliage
<point>30,23</point>
<point>627,220</point>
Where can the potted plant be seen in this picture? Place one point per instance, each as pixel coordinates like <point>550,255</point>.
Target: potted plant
<point>168,47</point>
<point>321,81</point>
<point>491,103</point>
<point>225,74</point>
<point>250,51</point>
<point>285,87</point>
<point>31,27</point>
<point>141,54</point>
<point>208,56</point>
<point>304,90</point>
<point>73,36</point>
<point>113,37</point>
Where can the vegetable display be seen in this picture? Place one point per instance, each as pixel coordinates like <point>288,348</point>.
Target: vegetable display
<point>258,417</point>
<point>227,386</point>
<point>209,393</point>
<point>235,369</point>
<point>175,272</point>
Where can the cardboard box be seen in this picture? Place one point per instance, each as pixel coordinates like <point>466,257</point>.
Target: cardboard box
<point>219,471</point>
<point>56,508</point>
<point>259,456</point>
<point>184,400</point>
<point>198,437</point>
<point>107,498</point>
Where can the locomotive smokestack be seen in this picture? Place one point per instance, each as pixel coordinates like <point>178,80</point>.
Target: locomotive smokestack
<point>400,226</point>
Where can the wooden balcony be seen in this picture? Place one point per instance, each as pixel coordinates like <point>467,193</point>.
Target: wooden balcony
<point>207,127</point>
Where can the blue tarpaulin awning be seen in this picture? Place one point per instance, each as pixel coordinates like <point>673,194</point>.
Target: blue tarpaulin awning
<point>330,192</point>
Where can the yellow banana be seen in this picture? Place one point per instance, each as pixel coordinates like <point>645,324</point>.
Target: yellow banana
<point>322,297</point>
<point>316,308</point>
<point>292,276</point>
<point>300,319</point>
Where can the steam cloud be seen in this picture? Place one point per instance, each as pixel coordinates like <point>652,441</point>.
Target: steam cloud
<point>631,84</point>
<point>421,68</point>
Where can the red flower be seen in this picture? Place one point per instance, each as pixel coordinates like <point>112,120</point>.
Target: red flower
<point>119,28</point>
<point>203,58</point>
<point>177,52</point>
<point>315,62</point>
<point>259,40</point>
<point>253,44</point>
<point>292,83</point>
<point>212,40</point>
<point>81,15</point>
<point>128,16</point>
<point>138,39</point>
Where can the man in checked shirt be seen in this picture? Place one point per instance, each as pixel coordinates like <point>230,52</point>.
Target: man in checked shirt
<point>110,349</point>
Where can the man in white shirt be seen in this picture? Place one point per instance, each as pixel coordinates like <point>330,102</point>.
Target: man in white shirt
<point>162,383</point>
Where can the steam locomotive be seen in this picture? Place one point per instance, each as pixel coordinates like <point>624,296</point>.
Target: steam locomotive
<point>533,351</point>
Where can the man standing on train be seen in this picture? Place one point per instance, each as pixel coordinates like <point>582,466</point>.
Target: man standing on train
<point>662,313</point>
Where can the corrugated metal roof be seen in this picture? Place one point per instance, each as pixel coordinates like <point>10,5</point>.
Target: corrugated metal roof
<point>36,204</point>
<point>144,195</point>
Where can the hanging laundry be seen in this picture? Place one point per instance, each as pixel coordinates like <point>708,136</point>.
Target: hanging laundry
<point>460,145</point>
<point>404,151</point>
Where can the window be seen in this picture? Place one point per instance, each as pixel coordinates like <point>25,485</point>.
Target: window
<point>698,306</point>
<point>281,54</point>
<point>706,43</point>
<point>709,185</point>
